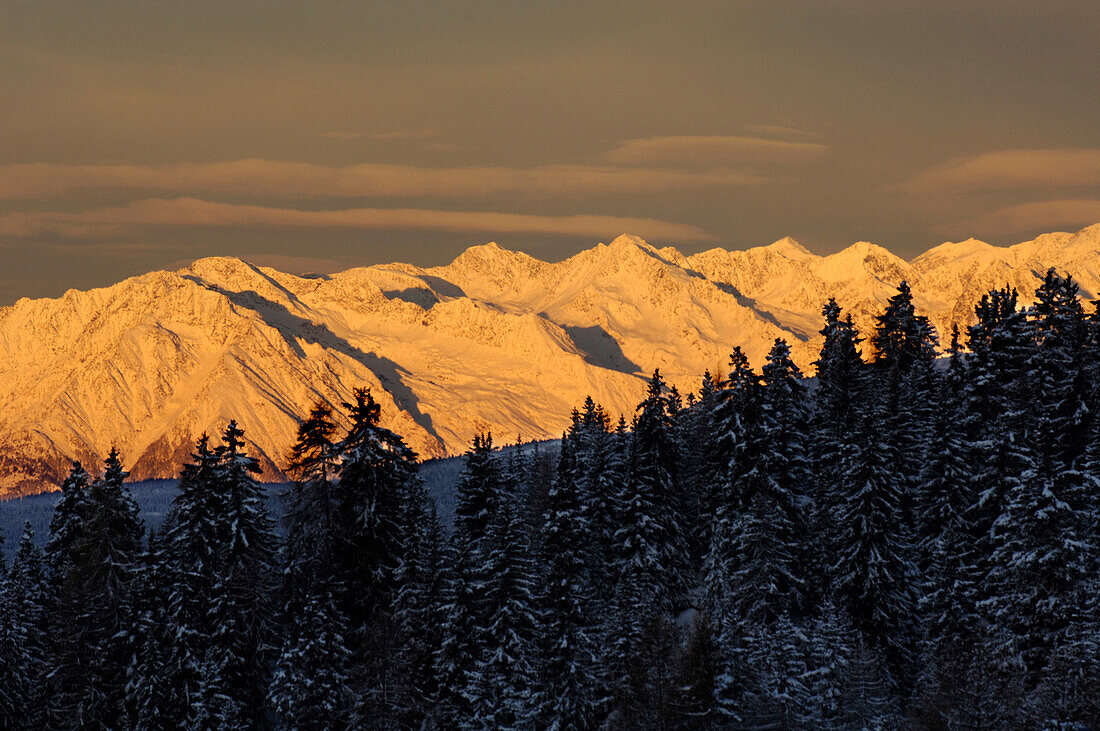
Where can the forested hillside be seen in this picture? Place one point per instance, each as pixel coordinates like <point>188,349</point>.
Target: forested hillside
<point>910,540</point>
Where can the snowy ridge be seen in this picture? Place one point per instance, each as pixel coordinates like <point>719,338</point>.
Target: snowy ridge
<point>494,340</point>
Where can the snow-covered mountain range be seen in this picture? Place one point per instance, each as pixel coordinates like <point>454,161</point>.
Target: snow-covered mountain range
<point>495,340</point>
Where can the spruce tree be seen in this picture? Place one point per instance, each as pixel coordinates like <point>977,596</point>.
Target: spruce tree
<point>771,579</point>
<point>17,676</point>
<point>480,500</point>
<point>650,550</point>
<point>93,613</point>
<point>311,507</point>
<point>377,470</point>
<point>736,412</point>
<point>312,680</point>
<point>164,667</point>
<point>838,372</point>
<point>241,613</point>
<point>1044,549</point>
<point>1003,344</point>
<point>480,491</point>
<point>841,388</point>
<point>420,613</point>
<point>29,596</point>
<point>173,630</point>
<point>592,448</point>
<point>701,467</point>
<point>945,490</point>
<point>873,574</point>
<point>570,691</point>
<point>946,550</point>
<point>869,696</point>
<point>311,685</point>
<point>66,522</point>
<point>904,382</point>
<point>502,687</point>
<point>903,340</point>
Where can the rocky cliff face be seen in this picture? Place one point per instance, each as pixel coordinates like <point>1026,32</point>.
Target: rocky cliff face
<point>495,340</point>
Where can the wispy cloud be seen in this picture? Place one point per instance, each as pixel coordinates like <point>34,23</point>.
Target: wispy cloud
<point>341,135</point>
<point>782,131</point>
<point>1010,169</point>
<point>419,134</point>
<point>121,220</point>
<point>1026,218</point>
<point>285,180</point>
<point>709,152</point>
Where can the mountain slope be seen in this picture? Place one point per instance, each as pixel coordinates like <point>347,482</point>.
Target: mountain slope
<point>494,340</point>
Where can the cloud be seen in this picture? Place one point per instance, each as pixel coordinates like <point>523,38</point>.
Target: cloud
<point>341,135</point>
<point>278,179</point>
<point>700,151</point>
<point>1009,169</point>
<point>120,220</point>
<point>404,135</point>
<point>780,130</point>
<point>1028,217</point>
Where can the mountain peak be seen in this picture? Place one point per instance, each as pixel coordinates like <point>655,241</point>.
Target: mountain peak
<point>863,256</point>
<point>956,250</point>
<point>789,248</point>
<point>481,251</point>
<point>629,241</point>
<point>489,268</point>
<point>864,247</point>
<point>221,270</point>
<point>486,257</point>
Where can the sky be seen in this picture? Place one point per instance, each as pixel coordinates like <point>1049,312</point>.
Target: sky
<point>319,136</point>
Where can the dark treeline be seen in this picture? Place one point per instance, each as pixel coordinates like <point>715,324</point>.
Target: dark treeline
<point>903,542</point>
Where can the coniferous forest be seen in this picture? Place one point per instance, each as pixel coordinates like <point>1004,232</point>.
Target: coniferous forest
<point>909,540</point>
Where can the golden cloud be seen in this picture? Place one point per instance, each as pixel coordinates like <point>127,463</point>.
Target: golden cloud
<point>702,151</point>
<point>118,220</point>
<point>1009,169</point>
<point>277,179</point>
<point>1028,217</point>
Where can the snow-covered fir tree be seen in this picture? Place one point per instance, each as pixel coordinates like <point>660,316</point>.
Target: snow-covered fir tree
<point>174,590</point>
<point>570,693</point>
<point>18,676</point>
<point>377,470</point>
<point>241,614</point>
<point>504,681</point>
<point>771,575</point>
<point>28,594</point>
<point>481,497</point>
<point>420,613</point>
<point>93,612</point>
<point>311,685</point>
<point>874,576</point>
<point>310,516</point>
<point>66,523</point>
